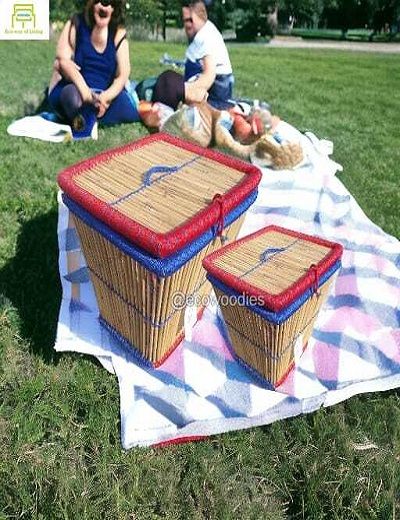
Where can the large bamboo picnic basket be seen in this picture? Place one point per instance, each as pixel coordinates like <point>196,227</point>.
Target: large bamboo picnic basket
<point>147,214</point>
<point>270,286</point>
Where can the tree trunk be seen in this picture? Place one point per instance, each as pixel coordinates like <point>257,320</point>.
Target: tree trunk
<point>272,18</point>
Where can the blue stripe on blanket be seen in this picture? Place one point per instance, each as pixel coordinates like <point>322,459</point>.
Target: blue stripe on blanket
<point>285,187</point>
<point>371,250</point>
<point>385,313</point>
<point>232,370</point>
<point>366,273</point>
<point>76,306</point>
<point>366,351</point>
<point>79,276</point>
<point>176,414</point>
<point>72,242</point>
<point>225,409</point>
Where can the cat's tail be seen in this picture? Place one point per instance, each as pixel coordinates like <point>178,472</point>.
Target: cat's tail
<point>224,140</point>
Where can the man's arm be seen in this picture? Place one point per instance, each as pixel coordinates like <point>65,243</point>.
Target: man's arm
<point>196,91</point>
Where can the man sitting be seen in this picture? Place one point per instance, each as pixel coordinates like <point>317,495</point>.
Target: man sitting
<point>207,60</point>
<point>208,71</point>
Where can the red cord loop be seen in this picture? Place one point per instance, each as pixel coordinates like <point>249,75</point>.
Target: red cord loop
<point>220,224</point>
<point>315,282</point>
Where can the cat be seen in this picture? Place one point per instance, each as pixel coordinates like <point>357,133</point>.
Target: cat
<point>207,126</point>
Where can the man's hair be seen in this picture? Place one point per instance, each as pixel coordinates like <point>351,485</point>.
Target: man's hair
<point>197,6</point>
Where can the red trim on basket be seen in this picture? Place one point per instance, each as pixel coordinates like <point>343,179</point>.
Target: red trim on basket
<point>159,244</point>
<point>285,375</point>
<point>179,440</point>
<point>275,302</point>
<point>290,368</point>
<point>175,344</point>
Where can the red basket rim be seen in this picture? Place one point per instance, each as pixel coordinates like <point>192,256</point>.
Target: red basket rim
<point>160,244</point>
<point>275,302</point>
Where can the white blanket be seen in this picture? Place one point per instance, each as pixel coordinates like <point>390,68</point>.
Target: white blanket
<point>37,127</point>
<point>201,390</point>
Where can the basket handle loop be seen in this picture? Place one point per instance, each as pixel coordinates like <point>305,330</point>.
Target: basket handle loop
<point>219,199</point>
<point>315,284</point>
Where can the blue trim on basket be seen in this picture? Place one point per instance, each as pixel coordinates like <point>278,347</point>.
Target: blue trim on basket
<point>283,315</point>
<point>266,383</point>
<point>162,267</point>
<point>142,361</point>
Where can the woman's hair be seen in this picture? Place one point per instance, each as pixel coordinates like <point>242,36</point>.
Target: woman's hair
<point>117,18</point>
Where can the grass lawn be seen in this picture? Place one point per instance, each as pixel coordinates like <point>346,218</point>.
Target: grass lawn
<point>351,35</point>
<point>59,415</point>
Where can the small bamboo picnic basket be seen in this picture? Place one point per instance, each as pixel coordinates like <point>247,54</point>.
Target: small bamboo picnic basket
<point>270,286</point>
<point>147,214</point>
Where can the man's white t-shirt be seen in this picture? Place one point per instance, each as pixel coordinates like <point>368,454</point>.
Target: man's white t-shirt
<point>207,42</point>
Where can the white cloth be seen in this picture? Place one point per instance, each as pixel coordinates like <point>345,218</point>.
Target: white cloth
<point>209,42</point>
<point>201,390</point>
<point>37,127</point>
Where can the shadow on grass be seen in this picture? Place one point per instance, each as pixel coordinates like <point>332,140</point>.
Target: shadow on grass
<point>31,282</point>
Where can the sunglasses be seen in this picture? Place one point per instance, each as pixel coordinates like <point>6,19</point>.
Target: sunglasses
<point>106,3</point>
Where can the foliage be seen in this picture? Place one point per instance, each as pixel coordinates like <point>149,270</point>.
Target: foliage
<point>251,19</point>
<point>306,12</point>
<point>257,17</point>
<point>62,10</point>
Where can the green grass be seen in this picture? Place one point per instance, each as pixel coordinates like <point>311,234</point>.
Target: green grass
<point>351,35</point>
<point>59,414</point>
<point>329,34</point>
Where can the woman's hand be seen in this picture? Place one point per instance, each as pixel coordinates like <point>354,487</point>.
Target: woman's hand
<point>102,103</point>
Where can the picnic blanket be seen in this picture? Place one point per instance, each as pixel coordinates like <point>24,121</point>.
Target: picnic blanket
<point>201,390</point>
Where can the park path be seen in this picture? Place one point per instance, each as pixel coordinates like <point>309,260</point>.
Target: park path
<point>290,42</point>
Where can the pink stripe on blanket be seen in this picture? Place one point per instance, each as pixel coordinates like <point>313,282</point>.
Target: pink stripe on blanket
<point>365,327</point>
<point>379,263</point>
<point>389,344</point>
<point>208,334</point>
<point>174,364</point>
<point>288,385</point>
<point>346,285</point>
<point>353,319</point>
<point>326,361</point>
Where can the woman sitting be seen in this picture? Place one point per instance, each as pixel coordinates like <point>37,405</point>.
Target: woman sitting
<point>92,67</point>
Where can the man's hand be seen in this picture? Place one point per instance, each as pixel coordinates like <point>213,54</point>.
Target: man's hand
<point>194,93</point>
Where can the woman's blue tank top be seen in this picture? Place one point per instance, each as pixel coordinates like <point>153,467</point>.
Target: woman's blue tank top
<point>97,68</point>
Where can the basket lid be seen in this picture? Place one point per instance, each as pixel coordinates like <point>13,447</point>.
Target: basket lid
<point>160,192</point>
<point>274,265</point>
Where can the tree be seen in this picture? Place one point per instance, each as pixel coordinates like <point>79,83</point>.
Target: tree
<point>255,17</point>
<point>62,10</point>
